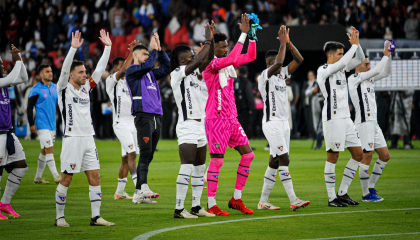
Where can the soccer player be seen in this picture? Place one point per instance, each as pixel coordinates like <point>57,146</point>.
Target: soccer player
<point>362,95</point>
<point>222,126</point>
<point>79,153</point>
<point>123,121</point>
<point>43,96</point>
<point>12,156</point>
<point>190,128</point>
<point>339,129</point>
<point>146,107</point>
<point>272,86</point>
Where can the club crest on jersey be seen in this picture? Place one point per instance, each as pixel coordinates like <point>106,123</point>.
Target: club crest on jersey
<point>382,169</point>
<point>130,146</point>
<point>99,194</point>
<point>366,171</point>
<point>84,91</point>
<point>352,173</point>
<point>280,148</point>
<point>187,179</point>
<point>370,145</point>
<point>286,174</point>
<point>75,100</point>
<point>48,142</point>
<point>215,176</point>
<point>337,145</point>
<point>217,145</point>
<point>274,176</point>
<point>342,71</point>
<point>72,165</point>
<point>62,198</point>
<point>146,139</point>
<point>20,179</point>
<point>332,177</point>
<point>247,170</point>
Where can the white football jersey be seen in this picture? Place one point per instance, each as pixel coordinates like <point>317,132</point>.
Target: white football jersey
<point>120,99</point>
<point>274,94</point>
<point>188,94</point>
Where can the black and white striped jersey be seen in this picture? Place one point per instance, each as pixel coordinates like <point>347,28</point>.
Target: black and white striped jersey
<point>362,92</point>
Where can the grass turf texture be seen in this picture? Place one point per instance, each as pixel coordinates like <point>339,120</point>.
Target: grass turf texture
<point>399,186</point>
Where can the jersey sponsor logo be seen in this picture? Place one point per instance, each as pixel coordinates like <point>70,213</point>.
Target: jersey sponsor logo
<point>45,95</point>
<point>217,145</point>
<point>194,85</point>
<point>146,139</point>
<point>366,171</point>
<point>75,100</point>
<point>280,148</point>
<point>335,98</point>
<point>274,176</point>
<point>340,82</point>
<point>215,176</point>
<point>99,194</point>
<point>187,179</point>
<point>62,198</point>
<point>280,88</point>
<point>72,166</point>
<point>367,102</point>
<point>70,114</point>
<point>273,101</point>
<point>370,145</point>
<point>337,145</point>
<point>5,102</point>
<point>219,99</point>
<point>332,177</point>
<point>286,174</point>
<point>189,99</point>
<point>247,170</point>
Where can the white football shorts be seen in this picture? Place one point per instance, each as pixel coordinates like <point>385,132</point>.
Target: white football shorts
<point>192,132</point>
<point>127,134</point>
<point>371,136</point>
<point>5,158</point>
<point>79,154</point>
<point>278,136</point>
<point>46,138</point>
<point>340,134</point>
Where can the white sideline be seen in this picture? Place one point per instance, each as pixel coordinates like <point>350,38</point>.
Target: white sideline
<point>147,235</point>
<point>362,236</point>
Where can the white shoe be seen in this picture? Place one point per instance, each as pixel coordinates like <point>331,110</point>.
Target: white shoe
<point>202,213</point>
<point>148,194</point>
<point>40,181</point>
<point>268,206</point>
<point>184,214</point>
<point>123,195</point>
<point>297,203</point>
<point>147,200</point>
<point>98,221</point>
<point>61,222</point>
<point>137,199</point>
<point>57,179</point>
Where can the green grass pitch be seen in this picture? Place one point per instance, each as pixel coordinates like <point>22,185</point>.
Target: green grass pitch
<point>399,186</point>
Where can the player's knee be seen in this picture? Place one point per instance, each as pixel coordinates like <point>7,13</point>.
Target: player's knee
<point>216,162</point>
<point>273,162</point>
<point>145,152</point>
<point>246,159</point>
<point>385,158</point>
<point>284,160</point>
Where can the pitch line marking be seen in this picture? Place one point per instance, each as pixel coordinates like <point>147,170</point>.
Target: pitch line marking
<point>362,236</point>
<point>147,235</point>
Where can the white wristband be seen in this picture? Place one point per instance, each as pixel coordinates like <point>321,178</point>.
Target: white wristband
<point>242,38</point>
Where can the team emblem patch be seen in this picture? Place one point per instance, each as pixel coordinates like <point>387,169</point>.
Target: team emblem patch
<point>342,71</point>
<point>187,179</point>
<point>337,145</point>
<point>366,171</point>
<point>49,142</point>
<point>370,145</point>
<point>62,198</point>
<point>99,194</point>
<point>286,174</point>
<point>130,146</point>
<point>381,167</point>
<point>146,139</point>
<point>247,170</point>
<point>45,95</point>
<point>84,91</point>
<point>280,148</point>
<point>217,145</point>
<point>215,176</point>
<point>72,165</point>
<point>274,176</point>
<point>352,173</point>
<point>75,100</point>
<point>332,177</point>
<point>20,179</point>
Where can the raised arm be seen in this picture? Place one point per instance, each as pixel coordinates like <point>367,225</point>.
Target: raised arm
<point>18,74</point>
<point>250,56</point>
<point>138,70</point>
<point>76,42</point>
<point>12,77</point>
<point>278,63</point>
<point>210,54</point>
<point>388,66</point>
<point>203,54</point>
<point>333,68</point>
<point>297,58</point>
<point>120,74</point>
<point>357,60</point>
<point>376,70</point>
<point>101,66</point>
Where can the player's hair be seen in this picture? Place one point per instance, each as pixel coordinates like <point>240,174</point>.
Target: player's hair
<point>175,55</point>
<point>366,56</point>
<point>116,61</point>
<point>76,63</point>
<point>332,47</point>
<point>217,37</point>
<point>271,53</point>
<point>41,67</point>
<point>140,47</point>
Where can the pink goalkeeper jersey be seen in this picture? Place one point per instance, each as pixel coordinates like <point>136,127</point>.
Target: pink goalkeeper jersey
<point>221,101</point>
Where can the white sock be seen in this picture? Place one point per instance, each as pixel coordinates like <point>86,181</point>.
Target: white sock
<point>348,175</point>
<point>95,196</point>
<point>60,200</point>
<point>197,184</point>
<point>144,187</point>
<point>364,178</point>
<point>286,179</point>
<point>376,172</point>
<point>49,158</point>
<point>269,181</point>
<point>237,194</point>
<point>329,175</point>
<point>12,184</point>
<point>182,182</point>
<point>212,202</point>
<point>121,185</point>
<point>41,166</point>
<point>134,177</point>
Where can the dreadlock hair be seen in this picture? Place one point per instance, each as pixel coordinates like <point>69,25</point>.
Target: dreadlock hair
<point>271,53</point>
<point>116,61</point>
<point>175,55</point>
<point>217,37</point>
<point>75,64</point>
<point>332,46</point>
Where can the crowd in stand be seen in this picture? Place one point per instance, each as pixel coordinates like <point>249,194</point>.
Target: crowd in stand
<point>42,31</point>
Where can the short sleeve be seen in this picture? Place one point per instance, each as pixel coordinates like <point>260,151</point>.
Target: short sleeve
<point>178,74</point>
<point>285,72</point>
<point>33,92</point>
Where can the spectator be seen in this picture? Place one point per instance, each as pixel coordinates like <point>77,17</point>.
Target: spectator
<point>86,23</point>
<point>12,32</point>
<point>140,35</point>
<point>314,13</point>
<point>250,6</point>
<point>376,16</point>
<point>168,106</point>
<point>52,33</point>
<point>59,59</point>
<point>364,32</point>
<point>31,47</point>
<point>256,122</point>
<point>221,26</point>
<point>244,99</point>
<point>274,17</point>
<point>40,32</point>
<point>76,27</point>
<point>350,18</point>
<point>175,34</point>
<point>27,33</point>
<point>157,28</point>
<point>198,29</point>
<point>294,104</point>
<point>116,17</point>
<point>218,12</point>
<point>146,14</point>
<point>69,19</point>
<point>411,26</point>
<point>262,15</point>
<point>290,97</point>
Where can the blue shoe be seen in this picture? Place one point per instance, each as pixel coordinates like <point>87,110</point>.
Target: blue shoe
<point>369,198</point>
<point>374,192</point>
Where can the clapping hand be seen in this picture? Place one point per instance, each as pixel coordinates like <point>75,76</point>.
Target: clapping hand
<point>15,54</point>
<point>76,40</point>
<point>244,24</point>
<point>105,38</point>
<point>132,45</point>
